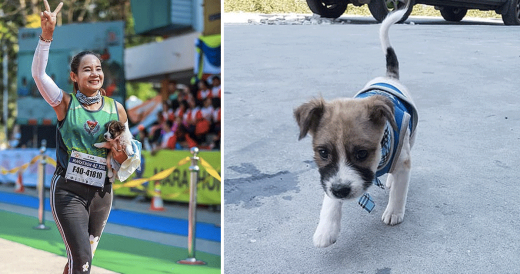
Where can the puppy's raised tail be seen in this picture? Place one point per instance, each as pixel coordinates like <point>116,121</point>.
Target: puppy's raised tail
<point>392,65</point>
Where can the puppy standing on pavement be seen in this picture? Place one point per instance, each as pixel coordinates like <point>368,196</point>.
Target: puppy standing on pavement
<point>355,140</point>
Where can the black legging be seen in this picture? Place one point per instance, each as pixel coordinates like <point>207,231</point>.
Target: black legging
<point>81,212</point>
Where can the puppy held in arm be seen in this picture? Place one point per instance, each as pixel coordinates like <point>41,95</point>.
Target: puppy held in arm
<point>356,140</point>
<point>118,136</point>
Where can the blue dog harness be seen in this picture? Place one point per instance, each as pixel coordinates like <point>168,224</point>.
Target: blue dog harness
<point>405,115</point>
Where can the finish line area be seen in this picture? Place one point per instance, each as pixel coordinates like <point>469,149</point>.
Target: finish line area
<point>135,240</point>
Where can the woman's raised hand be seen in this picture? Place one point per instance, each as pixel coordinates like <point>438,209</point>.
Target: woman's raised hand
<point>48,20</point>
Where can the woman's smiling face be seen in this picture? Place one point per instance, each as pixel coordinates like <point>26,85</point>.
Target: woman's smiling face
<point>90,75</point>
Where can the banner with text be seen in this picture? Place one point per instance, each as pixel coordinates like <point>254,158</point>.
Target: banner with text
<point>176,183</point>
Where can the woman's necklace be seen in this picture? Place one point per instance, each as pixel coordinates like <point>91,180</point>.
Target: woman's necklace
<point>83,99</point>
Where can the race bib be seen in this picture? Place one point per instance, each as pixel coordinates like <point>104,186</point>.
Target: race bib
<point>87,169</point>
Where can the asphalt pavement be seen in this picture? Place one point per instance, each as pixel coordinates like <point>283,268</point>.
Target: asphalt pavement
<point>463,211</point>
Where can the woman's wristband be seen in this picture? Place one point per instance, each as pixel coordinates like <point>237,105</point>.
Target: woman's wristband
<point>45,40</point>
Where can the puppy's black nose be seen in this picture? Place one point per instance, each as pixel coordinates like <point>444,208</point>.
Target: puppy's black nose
<point>340,191</point>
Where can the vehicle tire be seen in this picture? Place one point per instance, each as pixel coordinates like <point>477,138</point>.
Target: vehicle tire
<point>512,16</point>
<point>453,14</point>
<point>381,8</point>
<point>328,8</point>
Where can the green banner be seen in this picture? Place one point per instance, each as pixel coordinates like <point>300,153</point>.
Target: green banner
<point>176,185</point>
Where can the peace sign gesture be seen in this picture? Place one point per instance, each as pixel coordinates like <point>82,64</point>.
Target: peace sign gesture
<point>48,20</point>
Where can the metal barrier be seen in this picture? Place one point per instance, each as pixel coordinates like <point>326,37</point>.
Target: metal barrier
<point>41,187</point>
<point>192,210</point>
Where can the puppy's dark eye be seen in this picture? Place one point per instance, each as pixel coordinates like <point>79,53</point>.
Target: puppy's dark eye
<point>361,155</point>
<point>324,153</point>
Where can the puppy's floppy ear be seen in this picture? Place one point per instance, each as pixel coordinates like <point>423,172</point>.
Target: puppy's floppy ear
<point>120,127</point>
<point>309,115</point>
<point>381,109</point>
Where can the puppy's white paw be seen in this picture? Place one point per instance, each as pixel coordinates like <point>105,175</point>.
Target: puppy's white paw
<point>98,145</point>
<point>325,235</point>
<point>112,179</point>
<point>392,217</point>
<point>129,150</point>
<point>389,181</point>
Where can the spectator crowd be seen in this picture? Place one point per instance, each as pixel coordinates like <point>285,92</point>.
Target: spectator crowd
<point>190,117</point>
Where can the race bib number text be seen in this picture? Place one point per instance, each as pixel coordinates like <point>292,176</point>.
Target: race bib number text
<point>87,169</point>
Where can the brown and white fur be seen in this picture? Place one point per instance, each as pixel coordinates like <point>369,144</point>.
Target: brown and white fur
<point>347,135</point>
<point>118,136</point>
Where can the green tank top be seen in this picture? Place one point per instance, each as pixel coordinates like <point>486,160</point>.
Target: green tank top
<point>82,128</point>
